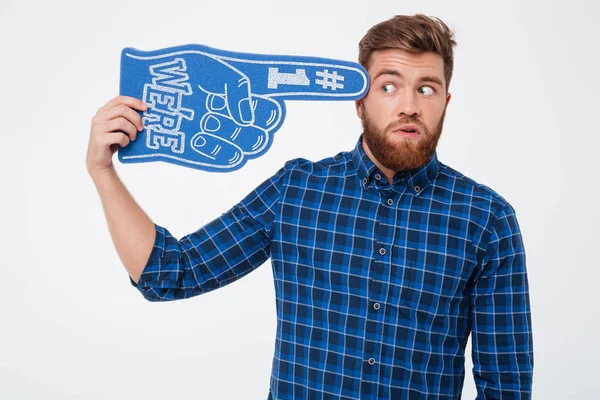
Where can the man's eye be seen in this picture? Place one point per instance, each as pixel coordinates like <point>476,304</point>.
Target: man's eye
<point>388,88</point>
<point>426,90</point>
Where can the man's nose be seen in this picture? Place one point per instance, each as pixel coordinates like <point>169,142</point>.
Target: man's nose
<point>408,104</point>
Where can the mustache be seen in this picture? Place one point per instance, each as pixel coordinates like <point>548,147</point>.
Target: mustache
<point>392,126</point>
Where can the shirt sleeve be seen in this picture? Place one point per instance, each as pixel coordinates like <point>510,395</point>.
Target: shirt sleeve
<point>217,254</point>
<point>502,340</point>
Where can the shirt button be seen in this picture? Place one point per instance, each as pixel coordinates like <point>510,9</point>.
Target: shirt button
<point>376,306</point>
<point>417,189</point>
<point>390,202</point>
<point>371,361</point>
<point>365,180</point>
<point>378,177</point>
<point>382,251</point>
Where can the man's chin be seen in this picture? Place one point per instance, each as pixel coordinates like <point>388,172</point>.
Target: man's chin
<point>401,143</point>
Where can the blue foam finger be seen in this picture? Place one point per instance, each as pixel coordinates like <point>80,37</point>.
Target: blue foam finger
<point>214,110</point>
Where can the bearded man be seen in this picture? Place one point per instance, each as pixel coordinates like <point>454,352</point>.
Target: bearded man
<point>384,259</point>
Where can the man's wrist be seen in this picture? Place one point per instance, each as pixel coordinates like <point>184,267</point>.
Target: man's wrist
<point>101,175</point>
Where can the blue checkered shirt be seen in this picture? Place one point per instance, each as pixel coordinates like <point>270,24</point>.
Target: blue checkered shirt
<point>377,285</point>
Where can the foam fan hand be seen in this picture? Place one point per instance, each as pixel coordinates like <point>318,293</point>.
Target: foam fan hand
<point>214,110</point>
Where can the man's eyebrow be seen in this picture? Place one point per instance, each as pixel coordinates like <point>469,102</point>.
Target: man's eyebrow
<point>389,72</point>
<point>397,74</point>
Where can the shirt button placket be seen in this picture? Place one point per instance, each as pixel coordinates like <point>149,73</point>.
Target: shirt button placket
<point>375,319</point>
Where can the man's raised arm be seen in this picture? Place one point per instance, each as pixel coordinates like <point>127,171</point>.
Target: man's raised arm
<point>131,230</point>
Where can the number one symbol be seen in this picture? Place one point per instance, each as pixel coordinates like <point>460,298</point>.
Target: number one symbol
<point>282,78</point>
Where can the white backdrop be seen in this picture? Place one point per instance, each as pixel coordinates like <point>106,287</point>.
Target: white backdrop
<point>522,120</point>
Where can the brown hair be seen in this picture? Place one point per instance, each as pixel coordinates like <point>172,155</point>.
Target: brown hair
<point>415,34</point>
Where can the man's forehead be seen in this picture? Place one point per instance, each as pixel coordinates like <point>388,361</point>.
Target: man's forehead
<point>415,64</point>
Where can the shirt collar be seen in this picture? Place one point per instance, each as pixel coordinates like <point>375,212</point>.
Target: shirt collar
<point>415,179</point>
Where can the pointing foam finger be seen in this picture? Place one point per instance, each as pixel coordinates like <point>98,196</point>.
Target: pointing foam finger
<point>303,78</point>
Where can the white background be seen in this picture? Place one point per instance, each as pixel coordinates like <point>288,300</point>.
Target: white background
<point>522,120</point>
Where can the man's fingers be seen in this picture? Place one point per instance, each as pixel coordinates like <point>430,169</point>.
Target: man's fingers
<point>128,101</point>
<point>123,125</point>
<point>120,110</point>
<point>117,138</point>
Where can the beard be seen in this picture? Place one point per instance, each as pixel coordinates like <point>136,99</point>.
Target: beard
<point>400,154</point>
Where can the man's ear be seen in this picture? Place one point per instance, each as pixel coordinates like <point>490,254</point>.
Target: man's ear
<point>448,96</point>
<point>358,104</point>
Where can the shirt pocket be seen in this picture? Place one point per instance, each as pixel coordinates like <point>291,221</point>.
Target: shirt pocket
<point>427,288</point>
<point>430,282</point>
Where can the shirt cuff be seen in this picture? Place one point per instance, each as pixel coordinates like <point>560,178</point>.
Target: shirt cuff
<point>158,249</point>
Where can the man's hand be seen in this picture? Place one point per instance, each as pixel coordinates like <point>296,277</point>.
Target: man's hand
<point>115,124</point>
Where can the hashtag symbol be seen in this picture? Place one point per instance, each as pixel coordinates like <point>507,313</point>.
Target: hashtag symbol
<point>329,81</point>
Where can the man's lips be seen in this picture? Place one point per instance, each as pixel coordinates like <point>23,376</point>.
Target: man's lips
<point>409,128</point>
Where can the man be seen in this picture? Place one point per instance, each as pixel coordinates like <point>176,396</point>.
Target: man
<point>384,258</point>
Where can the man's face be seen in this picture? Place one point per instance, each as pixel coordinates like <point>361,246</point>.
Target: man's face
<point>407,93</point>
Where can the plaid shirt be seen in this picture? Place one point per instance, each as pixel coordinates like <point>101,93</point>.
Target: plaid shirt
<point>378,285</point>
